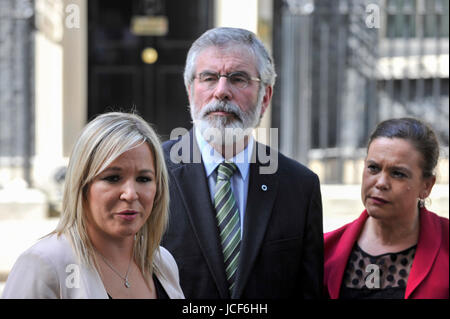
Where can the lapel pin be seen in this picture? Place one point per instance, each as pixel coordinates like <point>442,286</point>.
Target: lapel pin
<point>264,187</point>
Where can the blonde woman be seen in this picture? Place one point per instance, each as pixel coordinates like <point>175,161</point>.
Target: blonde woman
<point>115,204</point>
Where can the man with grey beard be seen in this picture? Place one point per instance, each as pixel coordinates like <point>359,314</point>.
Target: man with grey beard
<point>240,226</point>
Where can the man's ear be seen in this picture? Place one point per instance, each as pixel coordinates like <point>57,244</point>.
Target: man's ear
<point>189,93</point>
<point>266,99</point>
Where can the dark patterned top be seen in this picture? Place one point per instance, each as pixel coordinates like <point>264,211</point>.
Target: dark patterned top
<point>377,277</point>
<point>160,292</point>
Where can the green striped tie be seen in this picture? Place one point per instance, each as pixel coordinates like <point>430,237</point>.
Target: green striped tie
<point>228,220</point>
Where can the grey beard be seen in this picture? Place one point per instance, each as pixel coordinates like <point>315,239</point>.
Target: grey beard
<point>221,131</point>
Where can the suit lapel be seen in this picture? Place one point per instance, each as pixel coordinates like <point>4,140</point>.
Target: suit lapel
<point>430,235</point>
<point>341,256</point>
<point>262,190</point>
<point>192,183</point>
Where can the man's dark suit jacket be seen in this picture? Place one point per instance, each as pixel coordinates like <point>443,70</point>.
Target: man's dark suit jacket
<point>282,245</point>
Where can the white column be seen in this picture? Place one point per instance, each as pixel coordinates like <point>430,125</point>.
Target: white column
<point>61,81</point>
<point>247,15</point>
<point>237,14</point>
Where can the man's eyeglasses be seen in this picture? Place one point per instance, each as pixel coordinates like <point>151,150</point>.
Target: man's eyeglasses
<point>239,80</point>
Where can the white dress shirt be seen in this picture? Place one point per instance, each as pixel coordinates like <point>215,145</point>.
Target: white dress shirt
<point>239,181</point>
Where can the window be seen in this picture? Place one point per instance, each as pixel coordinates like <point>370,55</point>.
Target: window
<point>417,18</point>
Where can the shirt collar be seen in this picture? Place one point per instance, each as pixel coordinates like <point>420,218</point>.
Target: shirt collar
<point>212,158</point>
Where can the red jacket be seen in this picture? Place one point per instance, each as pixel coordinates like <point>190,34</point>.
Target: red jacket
<point>429,276</point>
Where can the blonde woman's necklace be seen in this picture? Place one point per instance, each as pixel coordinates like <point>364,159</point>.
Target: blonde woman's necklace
<point>125,279</point>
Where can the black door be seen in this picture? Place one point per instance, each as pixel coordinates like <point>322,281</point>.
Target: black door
<point>118,77</point>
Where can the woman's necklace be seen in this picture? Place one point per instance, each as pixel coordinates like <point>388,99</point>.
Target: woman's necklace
<point>126,282</point>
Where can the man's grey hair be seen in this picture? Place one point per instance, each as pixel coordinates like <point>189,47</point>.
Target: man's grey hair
<point>226,38</point>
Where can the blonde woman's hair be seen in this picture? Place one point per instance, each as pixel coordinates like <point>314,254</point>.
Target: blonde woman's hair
<point>103,140</point>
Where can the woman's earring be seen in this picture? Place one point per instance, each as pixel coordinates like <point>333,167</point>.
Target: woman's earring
<point>421,202</point>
